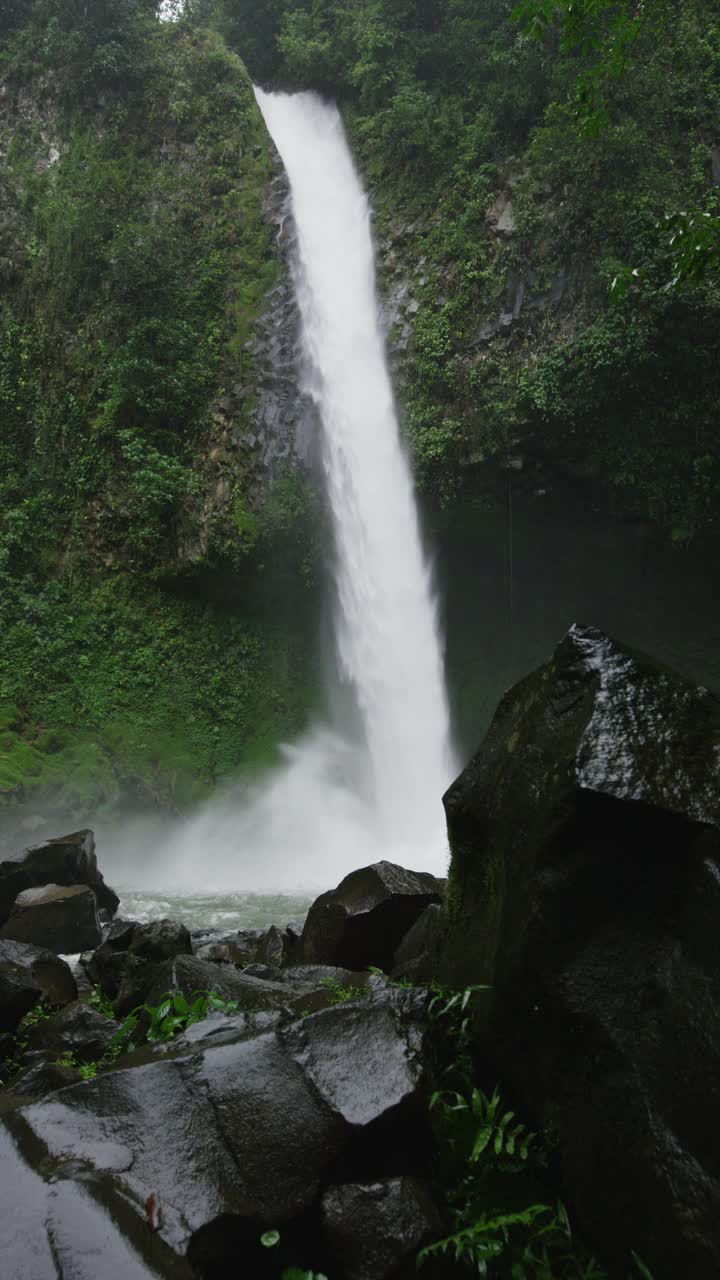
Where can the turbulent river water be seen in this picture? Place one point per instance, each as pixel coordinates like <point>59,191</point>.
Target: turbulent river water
<point>368,784</point>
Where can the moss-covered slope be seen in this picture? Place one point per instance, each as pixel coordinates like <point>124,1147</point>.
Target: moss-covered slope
<point>137,520</point>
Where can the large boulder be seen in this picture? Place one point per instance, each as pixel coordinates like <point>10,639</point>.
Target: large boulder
<point>416,956</point>
<point>58,917</point>
<point>585,887</point>
<point>19,993</point>
<point>51,974</point>
<point>158,940</point>
<point>373,1228</point>
<point>77,1032</point>
<point>144,983</point>
<point>192,1156</point>
<point>67,860</point>
<point>362,921</point>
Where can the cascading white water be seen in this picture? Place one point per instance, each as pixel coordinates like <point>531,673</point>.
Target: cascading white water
<point>386,627</point>
<point>343,799</point>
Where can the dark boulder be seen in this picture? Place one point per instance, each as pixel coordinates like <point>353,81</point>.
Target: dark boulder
<point>58,917</point>
<point>19,993</point>
<point>120,934</point>
<point>194,1155</point>
<point>240,947</point>
<point>416,956</point>
<point>107,967</point>
<point>148,983</point>
<point>362,922</point>
<point>67,860</point>
<point>51,974</point>
<point>271,950</point>
<point>77,1031</point>
<point>586,889</point>
<point>374,1228</point>
<point>159,940</point>
<point>40,1075</point>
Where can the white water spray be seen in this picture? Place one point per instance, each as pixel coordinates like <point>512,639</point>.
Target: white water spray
<point>344,798</point>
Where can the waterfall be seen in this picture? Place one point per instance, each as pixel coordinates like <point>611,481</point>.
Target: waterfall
<point>386,626</point>
<point>348,793</point>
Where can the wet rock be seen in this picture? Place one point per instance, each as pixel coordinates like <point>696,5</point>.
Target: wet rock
<point>107,968</point>
<point>416,956</point>
<point>69,860</point>
<point>238,948</point>
<point>159,940</point>
<point>120,934</point>
<point>374,1227</point>
<point>148,983</point>
<point>41,1076</point>
<point>51,974</point>
<point>362,1059</point>
<point>362,922</point>
<point>271,950</point>
<point>60,918</point>
<point>59,1230</point>
<point>232,1137</point>
<point>19,993</point>
<point>77,1031</point>
<point>586,888</point>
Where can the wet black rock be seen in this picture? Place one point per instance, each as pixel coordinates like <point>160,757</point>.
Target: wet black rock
<point>148,983</point>
<point>65,861</point>
<point>586,888</point>
<point>19,993</point>
<point>416,956</point>
<point>158,940</point>
<point>374,1228</point>
<point>41,1075</point>
<point>362,922</point>
<point>78,1031</point>
<point>61,918</point>
<point>208,1148</point>
<point>51,974</point>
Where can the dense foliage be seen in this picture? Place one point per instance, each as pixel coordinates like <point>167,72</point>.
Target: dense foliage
<point>134,257</point>
<point>528,156</point>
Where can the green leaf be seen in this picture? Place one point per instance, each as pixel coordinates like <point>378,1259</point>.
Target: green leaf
<point>269,1239</point>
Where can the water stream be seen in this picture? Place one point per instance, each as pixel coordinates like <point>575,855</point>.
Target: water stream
<point>367,785</point>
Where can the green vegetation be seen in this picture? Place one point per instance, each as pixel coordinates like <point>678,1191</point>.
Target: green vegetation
<point>522,158</point>
<point>341,993</point>
<point>506,1223</point>
<point>136,529</point>
<point>174,1013</point>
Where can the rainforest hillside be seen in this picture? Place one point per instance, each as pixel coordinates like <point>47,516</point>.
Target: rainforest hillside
<point>158,534</point>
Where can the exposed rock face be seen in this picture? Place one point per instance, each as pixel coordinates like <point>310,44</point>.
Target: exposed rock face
<point>193,1156</point>
<point>375,1227</point>
<point>69,860</point>
<point>77,1030</point>
<point>51,974</point>
<point>19,993</point>
<point>415,957</point>
<point>158,940</point>
<point>61,918</point>
<point>364,919</point>
<point>586,888</point>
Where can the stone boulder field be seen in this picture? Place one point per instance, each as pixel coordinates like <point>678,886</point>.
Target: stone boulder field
<point>422,1071</point>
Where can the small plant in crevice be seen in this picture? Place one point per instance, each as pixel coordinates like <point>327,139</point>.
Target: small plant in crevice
<point>270,1240</point>
<point>152,1024</point>
<point>101,1003</point>
<point>506,1221</point>
<point>339,992</point>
